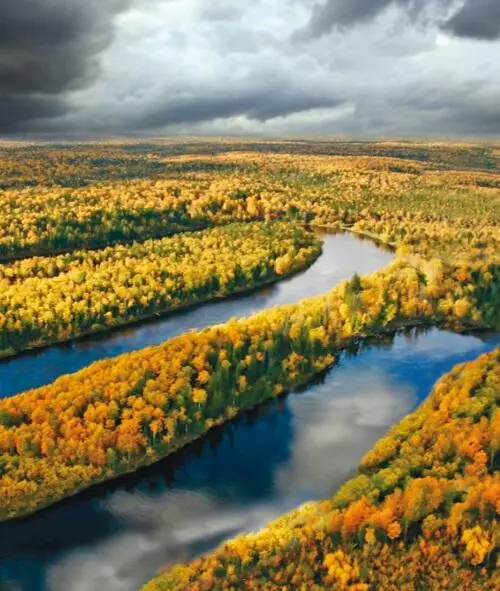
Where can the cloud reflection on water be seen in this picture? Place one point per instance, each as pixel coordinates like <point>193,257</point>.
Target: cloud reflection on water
<point>335,423</point>
<point>331,437</point>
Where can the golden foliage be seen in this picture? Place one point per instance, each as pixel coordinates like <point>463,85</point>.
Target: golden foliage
<point>423,510</point>
<point>424,208</point>
<point>47,299</point>
<point>98,421</point>
<point>435,528</point>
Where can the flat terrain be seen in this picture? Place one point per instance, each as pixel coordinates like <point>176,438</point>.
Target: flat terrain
<point>94,237</point>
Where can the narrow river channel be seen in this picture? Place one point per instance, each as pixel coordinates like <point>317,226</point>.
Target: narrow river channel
<point>243,474</point>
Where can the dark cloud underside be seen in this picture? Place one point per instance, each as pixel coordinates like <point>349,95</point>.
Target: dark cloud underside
<point>475,19</point>
<point>24,108</point>
<point>48,47</point>
<point>341,14</point>
<point>259,105</point>
<point>478,19</point>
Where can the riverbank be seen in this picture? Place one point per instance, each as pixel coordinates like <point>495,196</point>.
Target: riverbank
<point>202,379</point>
<point>426,495</point>
<point>142,281</point>
<point>146,461</point>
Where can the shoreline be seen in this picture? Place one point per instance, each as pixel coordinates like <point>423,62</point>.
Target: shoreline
<point>160,315</point>
<point>144,319</point>
<point>145,461</point>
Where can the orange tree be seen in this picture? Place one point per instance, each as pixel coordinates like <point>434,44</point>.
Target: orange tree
<point>421,514</point>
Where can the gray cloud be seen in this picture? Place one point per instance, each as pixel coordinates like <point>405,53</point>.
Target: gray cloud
<point>22,109</point>
<point>425,107</point>
<point>259,104</point>
<point>188,66</point>
<point>341,14</point>
<point>46,49</point>
<point>222,10</point>
<point>477,19</point>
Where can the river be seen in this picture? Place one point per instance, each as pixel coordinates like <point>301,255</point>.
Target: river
<point>243,474</point>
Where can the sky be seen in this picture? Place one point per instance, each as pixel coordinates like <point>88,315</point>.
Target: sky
<point>250,67</point>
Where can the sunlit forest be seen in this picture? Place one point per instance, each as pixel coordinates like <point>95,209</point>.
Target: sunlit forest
<point>98,236</point>
<point>49,299</point>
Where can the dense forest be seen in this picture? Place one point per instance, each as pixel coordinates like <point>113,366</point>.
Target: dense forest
<point>121,413</point>
<point>421,514</point>
<point>382,195</point>
<point>95,236</point>
<point>51,299</point>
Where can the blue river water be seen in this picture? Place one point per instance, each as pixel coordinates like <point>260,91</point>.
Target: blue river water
<point>243,474</point>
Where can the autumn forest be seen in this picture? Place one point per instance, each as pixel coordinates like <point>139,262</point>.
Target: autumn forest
<point>97,239</point>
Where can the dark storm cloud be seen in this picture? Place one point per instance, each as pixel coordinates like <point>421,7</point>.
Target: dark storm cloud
<point>428,108</point>
<point>478,19</point>
<point>258,104</point>
<point>345,13</point>
<point>15,110</point>
<point>72,66</point>
<point>48,47</point>
<point>470,108</point>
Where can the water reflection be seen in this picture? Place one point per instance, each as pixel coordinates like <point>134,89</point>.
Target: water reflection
<point>171,527</point>
<point>343,254</point>
<point>242,475</point>
<point>336,423</point>
<point>327,430</point>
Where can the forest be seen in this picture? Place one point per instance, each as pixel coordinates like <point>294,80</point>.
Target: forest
<point>93,237</point>
<point>421,514</point>
<point>51,299</point>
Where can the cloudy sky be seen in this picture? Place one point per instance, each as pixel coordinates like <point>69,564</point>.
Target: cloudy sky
<point>267,67</point>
